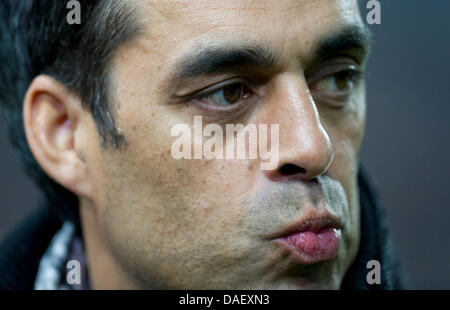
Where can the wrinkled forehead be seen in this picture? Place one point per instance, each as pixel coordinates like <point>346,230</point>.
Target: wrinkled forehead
<point>172,27</point>
<point>219,11</point>
<point>246,17</point>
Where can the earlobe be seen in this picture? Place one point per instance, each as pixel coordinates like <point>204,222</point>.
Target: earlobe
<point>51,117</point>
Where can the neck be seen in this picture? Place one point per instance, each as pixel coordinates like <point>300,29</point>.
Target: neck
<point>105,272</point>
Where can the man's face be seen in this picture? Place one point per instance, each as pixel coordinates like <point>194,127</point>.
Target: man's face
<point>226,223</point>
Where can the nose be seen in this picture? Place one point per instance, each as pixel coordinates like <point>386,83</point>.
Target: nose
<point>305,149</point>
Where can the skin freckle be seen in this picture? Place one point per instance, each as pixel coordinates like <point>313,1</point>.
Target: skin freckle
<point>222,217</point>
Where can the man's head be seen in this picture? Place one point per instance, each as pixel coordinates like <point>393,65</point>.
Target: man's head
<point>150,220</point>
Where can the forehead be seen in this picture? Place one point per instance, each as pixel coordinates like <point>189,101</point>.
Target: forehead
<point>173,26</point>
<point>220,11</point>
<point>199,16</point>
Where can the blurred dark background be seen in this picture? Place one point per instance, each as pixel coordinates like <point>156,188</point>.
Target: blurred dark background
<point>406,147</point>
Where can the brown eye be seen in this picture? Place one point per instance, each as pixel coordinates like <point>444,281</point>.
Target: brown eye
<point>233,93</point>
<point>227,95</point>
<point>342,81</point>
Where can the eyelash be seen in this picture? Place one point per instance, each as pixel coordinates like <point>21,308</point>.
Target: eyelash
<point>338,97</point>
<point>353,76</point>
<point>244,95</point>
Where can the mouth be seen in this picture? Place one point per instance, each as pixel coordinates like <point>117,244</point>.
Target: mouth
<point>312,240</point>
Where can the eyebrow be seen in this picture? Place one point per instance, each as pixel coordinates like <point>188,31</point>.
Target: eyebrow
<point>217,58</point>
<point>354,37</point>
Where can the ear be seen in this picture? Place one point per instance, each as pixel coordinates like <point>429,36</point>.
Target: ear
<point>51,118</point>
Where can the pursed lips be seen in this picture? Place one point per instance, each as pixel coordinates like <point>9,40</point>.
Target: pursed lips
<point>313,238</point>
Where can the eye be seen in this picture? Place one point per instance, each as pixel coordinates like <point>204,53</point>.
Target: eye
<point>227,95</point>
<point>337,84</point>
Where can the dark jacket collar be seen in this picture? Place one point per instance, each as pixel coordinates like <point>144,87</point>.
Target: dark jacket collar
<point>376,244</point>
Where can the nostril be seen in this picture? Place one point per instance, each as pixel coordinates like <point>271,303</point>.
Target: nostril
<point>290,169</point>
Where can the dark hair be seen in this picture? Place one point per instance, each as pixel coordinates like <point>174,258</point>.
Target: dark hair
<point>35,39</point>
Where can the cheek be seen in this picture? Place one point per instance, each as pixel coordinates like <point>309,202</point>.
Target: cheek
<point>175,192</point>
<point>346,130</point>
<point>166,214</point>
<point>148,157</point>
